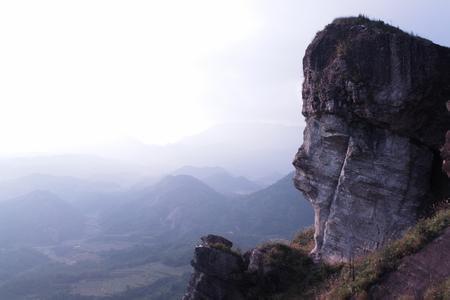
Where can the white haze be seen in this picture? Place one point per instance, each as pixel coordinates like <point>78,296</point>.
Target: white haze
<point>124,90</point>
<point>77,73</point>
<point>130,128</point>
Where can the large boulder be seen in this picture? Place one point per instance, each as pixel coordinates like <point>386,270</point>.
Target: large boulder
<point>374,99</point>
<point>218,271</point>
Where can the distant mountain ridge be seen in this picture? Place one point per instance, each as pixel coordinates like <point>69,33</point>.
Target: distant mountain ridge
<point>220,179</point>
<point>181,206</point>
<point>254,150</point>
<point>176,207</point>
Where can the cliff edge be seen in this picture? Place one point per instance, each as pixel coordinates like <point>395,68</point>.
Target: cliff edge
<point>374,99</point>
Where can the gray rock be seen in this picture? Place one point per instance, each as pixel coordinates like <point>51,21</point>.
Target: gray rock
<point>218,271</point>
<point>374,99</point>
<point>205,287</point>
<point>219,263</point>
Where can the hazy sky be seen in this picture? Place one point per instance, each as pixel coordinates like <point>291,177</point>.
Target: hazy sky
<point>80,72</point>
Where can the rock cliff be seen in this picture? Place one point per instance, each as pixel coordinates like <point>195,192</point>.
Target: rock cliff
<point>218,271</point>
<point>374,99</point>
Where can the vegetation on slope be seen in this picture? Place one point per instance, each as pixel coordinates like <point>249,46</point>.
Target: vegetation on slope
<point>306,278</point>
<point>346,281</point>
<point>370,269</point>
<point>287,271</point>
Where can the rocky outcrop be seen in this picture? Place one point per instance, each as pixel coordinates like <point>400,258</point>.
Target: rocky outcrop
<point>222,274</point>
<point>374,99</point>
<point>218,271</point>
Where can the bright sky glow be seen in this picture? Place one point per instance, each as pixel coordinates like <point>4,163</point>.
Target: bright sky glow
<point>75,73</point>
<point>78,72</point>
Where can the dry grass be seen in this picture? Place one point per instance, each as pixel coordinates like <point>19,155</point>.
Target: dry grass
<point>371,268</point>
<point>308,277</point>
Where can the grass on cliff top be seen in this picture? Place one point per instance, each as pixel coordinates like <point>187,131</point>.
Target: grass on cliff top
<point>370,269</point>
<point>366,21</point>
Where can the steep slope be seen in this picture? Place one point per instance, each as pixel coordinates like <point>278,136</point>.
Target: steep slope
<point>417,272</point>
<point>38,218</point>
<point>407,268</point>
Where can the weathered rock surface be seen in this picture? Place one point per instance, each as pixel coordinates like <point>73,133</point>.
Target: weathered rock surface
<point>218,271</point>
<point>374,99</point>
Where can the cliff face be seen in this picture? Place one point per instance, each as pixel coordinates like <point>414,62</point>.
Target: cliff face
<point>374,99</point>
